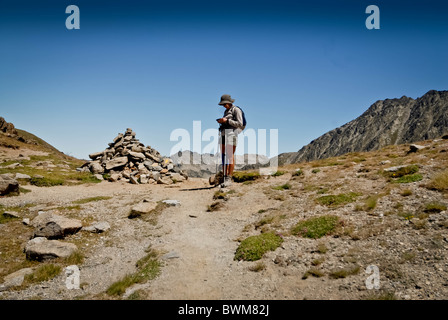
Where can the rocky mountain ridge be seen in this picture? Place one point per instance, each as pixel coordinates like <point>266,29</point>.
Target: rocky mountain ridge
<point>386,122</point>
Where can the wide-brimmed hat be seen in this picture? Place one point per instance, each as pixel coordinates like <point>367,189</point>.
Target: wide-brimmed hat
<point>226,98</point>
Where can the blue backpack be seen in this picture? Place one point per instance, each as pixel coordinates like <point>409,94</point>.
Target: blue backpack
<point>244,117</point>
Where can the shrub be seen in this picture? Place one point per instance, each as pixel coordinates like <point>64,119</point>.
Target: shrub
<point>253,248</point>
<point>335,200</point>
<point>406,193</point>
<point>434,207</point>
<point>313,272</point>
<point>285,186</point>
<point>46,181</point>
<point>278,173</point>
<point>315,170</point>
<point>297,173</point>
<point>92,199</point>
<point>43,273</point>
<point>316,227</point>
<point>148,268</point>
<point>241,176</point>
<point>409,178</point>
<point>344,272</point>
<point>439,182</point>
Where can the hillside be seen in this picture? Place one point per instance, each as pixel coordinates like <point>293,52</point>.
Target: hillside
<point>386,122</point>
<point>314,230</point>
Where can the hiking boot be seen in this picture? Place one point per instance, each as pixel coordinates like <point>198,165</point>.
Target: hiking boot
<point>227,182</point>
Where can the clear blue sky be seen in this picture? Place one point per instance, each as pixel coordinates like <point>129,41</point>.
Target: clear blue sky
<point>302,67</point>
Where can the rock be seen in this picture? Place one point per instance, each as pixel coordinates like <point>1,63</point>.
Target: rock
<point>155,175</point>
<point>137,155</point>
<point>15,279</point>
<point>114,177</point>
<point>144,179</point>
<point>385,162</point>
<point>26,221</point>
<point>415,148</point>
<point>22,176</point>
<point>177,177</point>
<point>13,166</point>
<point>163,171</point>
<point>10,214</point>
<point>98,227</point>
<point>133,180</point>
<point>8,186</point>
<point>43,249</point>
<point>117,162</point>
<point>96,167</point>
<point>52,226</point>
<point>172,202</point>
<point>394,169</point>
<point>171,255</point>
<point>165,180</point>
<point>95,155</point>
<point>142,208</point>
<point>98,176</point>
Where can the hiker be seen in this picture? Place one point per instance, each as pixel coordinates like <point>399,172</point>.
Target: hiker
<point>231,124</point>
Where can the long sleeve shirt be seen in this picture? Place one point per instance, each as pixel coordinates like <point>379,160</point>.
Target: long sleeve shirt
<point>234,122</point>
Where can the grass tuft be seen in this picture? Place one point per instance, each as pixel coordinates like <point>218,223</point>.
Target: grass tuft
<point>336,200</point>
<point>253,248</point>
<point>316,227</point>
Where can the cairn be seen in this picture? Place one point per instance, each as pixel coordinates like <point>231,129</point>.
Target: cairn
<point>127,159</point>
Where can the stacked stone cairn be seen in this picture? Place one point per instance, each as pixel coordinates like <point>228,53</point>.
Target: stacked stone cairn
<point>127,159</point>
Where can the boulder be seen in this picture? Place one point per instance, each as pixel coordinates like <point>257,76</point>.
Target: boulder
<point>415,148</point>
<point>142,208</point>
<point>96,167</point>
<point>53,226</point>
<point>98,227</point>
<point>8,186</point>
<point>165,180</point>
<point>95,155</point>
<point>15,279</point>
<point>22,176</point>
<point>177,177</point>
<point>43,249</point>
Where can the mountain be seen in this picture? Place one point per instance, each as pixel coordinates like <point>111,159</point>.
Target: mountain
<point>203,165</point>
<point>17,139</point>
<point>386,122</point>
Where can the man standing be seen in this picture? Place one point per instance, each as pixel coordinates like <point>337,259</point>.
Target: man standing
<point>231,124</point>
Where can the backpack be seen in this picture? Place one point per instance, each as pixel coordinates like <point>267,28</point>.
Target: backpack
<point>244,118</point>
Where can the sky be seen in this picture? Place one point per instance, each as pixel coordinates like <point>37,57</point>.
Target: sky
<point>302,68</point>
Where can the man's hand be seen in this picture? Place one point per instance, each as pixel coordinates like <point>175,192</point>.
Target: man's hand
<point>222,120</point>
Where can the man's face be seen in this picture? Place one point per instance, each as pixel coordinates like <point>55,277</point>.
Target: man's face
<point>227,106</point>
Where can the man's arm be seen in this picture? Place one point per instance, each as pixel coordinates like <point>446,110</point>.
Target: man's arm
<point>237,121</point>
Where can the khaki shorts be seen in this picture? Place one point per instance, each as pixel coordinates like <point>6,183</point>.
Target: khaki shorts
<point>229,140</point>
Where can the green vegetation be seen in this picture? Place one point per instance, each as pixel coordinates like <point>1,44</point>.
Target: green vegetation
<point>439,181</point>
<point>278,173</point>
<point>259,266</point>
<point>434,207</point>
<point>409,178</point>
<point>316,227</point>
<point>285,186</point>
<point>75,258</point>
<point>43,273</point>
<point>406,193</point>
<point>405,174</point>
<point>336,200</point>
<point>242,176</point>
<point>344,272</point>
<point>315,171</point>
<point>92,199</point>
<point>297,173</point>
<point>313,272</point>
<point>148,268</point>
<point>253,248</point>
<point>371,202</point>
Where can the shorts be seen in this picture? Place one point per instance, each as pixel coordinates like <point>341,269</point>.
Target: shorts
<point>229,140</point>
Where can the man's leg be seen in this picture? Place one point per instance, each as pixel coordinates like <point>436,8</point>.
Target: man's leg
<point>232,160</point>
